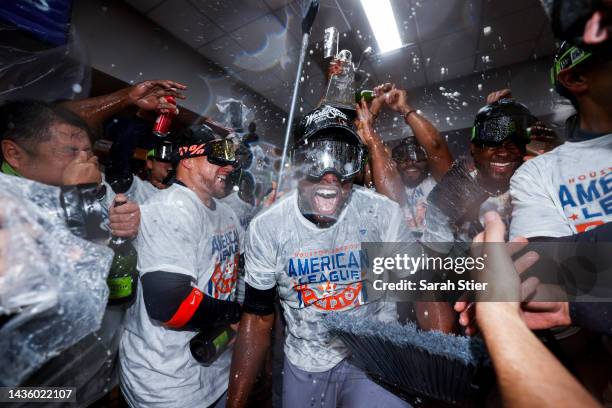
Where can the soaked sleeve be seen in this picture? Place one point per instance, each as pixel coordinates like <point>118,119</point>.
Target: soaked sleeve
<point>260,256</point>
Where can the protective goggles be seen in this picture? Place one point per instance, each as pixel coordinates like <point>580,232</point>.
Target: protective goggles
<point>319,157</point>
<point>569,59</point>
<point>497,129</point>
<point>162,153</point>
<point>408,153</point>
<point>217,152</point>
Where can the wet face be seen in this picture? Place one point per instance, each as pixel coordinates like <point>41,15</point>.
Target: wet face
<point>46,164</point>
<point>411,162</point>
<point>323,199</point>
<point>210,177</point>
<point>412,172</point>
<point>497,164</point>
<point>159,171</point>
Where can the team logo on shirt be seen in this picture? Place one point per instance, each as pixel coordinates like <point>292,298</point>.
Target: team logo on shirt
<point>586,198</point>
<point>226,249</point>
<point>328,279</point>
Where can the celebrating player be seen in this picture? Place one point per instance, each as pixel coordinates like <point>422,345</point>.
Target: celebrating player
<point>188,255</point>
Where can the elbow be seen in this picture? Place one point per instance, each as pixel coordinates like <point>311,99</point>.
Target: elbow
<point>157,311</point>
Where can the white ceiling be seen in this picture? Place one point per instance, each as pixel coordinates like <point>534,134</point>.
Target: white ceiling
<point>257,41</point>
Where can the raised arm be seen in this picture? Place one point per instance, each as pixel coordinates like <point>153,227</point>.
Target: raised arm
<point>385,175</point>
<point>147,96</point>
<point>438,155</point>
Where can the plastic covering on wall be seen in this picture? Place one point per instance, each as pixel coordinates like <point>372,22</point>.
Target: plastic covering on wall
<point>42,73</point>
<point>234,114</point>
<point>53,289</point>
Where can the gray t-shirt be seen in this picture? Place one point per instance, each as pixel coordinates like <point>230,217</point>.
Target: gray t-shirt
<point>178,233</point>
<point>318,270</point>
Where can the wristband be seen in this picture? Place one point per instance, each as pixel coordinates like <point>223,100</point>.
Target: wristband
<point>186,310</point>
<point>407,114</point>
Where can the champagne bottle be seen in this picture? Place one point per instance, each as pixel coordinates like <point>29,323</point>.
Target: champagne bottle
<point>208,345</point>
<point>122,278</point>
<point>366,94</point>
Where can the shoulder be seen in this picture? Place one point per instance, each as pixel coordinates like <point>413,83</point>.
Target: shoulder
<point>364,196</point>
<point>536,165</point>
<point>225,210</point>
<point>281,208</point>
<point>174,200</point>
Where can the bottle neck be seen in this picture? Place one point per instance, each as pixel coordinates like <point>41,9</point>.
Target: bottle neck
<point>118,240</point>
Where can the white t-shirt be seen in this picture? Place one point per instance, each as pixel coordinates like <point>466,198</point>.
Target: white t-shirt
<point>141,190</point>
<point>243,210</point>
<point>416,205</point>
<point>565,191</point>
<point>318,270</point>
<point>178,233</point>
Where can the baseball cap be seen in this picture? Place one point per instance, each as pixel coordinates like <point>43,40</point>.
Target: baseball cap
<point>326,120</point>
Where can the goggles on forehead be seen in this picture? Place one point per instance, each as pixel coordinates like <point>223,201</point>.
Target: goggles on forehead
<point>319,157</point>
<point>217,152</point>
<point>497,129</point>
<point>568,59</point>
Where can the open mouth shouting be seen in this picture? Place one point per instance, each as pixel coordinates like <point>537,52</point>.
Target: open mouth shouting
<point>326,200</point>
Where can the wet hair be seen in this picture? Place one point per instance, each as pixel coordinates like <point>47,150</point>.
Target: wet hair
<point>27,123</point>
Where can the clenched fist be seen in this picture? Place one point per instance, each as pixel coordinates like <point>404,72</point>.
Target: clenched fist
<point>82,170</point>
<point>124,218</point>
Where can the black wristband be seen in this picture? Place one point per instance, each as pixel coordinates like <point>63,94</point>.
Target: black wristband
<point>215,312</point>
<point>407,114</point>
<point>259,302</point>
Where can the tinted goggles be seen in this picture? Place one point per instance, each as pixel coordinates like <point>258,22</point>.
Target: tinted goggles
<point>217,152</point>
<point>221,153</point>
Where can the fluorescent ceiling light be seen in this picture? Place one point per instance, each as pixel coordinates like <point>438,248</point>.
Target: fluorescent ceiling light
<point>382,20</point>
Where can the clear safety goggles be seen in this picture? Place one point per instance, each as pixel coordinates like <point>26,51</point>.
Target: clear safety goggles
<point>319,157</point>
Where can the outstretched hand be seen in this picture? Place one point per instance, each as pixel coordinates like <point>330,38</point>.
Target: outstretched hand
<point>501,273</point>
<point>150,95</point>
